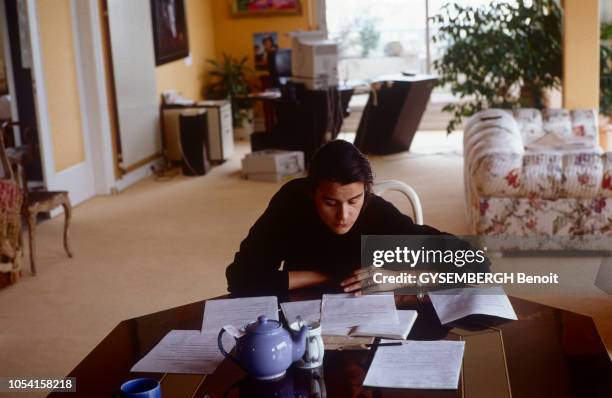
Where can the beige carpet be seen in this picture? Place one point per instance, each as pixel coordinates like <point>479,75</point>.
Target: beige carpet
<point>162,244</point>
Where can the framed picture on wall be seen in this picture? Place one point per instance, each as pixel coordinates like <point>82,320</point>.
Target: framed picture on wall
<point>169,30</point>
<point>264,43</point>
<point>254,8</point>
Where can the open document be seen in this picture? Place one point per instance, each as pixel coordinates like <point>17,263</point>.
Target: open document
<point>398,330</point>
<point>238,312</point>
<point>185,351</point>
<point>454,304</point>
<point>417,364</point>
<point>339,313</point>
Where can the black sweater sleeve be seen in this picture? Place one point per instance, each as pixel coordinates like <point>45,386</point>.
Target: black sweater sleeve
<point>256,266</point>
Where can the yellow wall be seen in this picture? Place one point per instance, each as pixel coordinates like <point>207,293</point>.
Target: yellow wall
<point>234,36</point>
<point>581,54</point>
<point>189,80</point>
<point>212,32</point>
<point>59,69</point>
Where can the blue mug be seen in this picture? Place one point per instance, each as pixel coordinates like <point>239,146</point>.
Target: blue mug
<point>141,388</point>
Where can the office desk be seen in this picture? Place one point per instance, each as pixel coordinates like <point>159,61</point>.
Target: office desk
<point>546,353</point>
<point>302,120</point>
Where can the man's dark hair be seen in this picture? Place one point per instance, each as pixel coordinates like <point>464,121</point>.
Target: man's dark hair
<point>340,161</point>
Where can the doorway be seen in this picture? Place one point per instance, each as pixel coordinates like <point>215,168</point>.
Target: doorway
<point>18,89</point>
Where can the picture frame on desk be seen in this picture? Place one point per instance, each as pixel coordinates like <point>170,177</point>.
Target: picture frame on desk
<point>170,33</point>
<point>264,8</point>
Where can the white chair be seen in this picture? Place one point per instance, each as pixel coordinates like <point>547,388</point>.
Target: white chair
<point>381,187</point>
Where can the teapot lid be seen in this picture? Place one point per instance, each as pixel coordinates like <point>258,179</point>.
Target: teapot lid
<point>263,325</point>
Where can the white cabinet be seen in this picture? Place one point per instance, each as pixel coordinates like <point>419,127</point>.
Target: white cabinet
<point>220,130</point>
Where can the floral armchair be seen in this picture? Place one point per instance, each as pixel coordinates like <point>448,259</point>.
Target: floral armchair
<point>537,173</point>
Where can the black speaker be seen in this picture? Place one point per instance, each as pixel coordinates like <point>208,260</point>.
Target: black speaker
<point>393,114</point>
<point>193,131</point>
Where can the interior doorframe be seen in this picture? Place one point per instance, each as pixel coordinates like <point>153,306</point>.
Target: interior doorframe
<point>90,61</point>
<point>90,177</point>
<point>96,114</point>
<point>8,66</point>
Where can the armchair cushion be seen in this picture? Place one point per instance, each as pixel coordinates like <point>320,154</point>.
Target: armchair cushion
<point>530,124</point>
<point>584,124</point>
<point>557,121</point>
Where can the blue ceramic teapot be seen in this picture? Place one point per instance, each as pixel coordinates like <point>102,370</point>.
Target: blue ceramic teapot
<point>266,349</point>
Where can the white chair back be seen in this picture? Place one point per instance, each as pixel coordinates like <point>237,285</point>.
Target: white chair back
<point>381,187</point>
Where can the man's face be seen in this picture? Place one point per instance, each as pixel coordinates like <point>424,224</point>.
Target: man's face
<point>339,205</point>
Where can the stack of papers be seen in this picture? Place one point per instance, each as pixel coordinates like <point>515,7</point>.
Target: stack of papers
<point>454,304</point>
<point>417,364</point>
<point>196,351</point>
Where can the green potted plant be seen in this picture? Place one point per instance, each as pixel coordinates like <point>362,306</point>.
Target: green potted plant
<point>500,55</point>
<point>233,79</point>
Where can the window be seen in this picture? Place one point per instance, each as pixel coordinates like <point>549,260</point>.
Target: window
<point>380,37</point>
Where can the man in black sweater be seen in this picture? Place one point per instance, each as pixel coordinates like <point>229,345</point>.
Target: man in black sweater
<point>313,227</point>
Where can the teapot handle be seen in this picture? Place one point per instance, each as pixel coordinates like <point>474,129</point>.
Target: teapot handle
<point>220,343</point>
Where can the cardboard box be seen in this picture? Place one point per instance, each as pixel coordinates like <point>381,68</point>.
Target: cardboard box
<point>273,161</point>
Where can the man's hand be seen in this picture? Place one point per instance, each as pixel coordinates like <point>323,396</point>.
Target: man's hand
<point>361,281</point>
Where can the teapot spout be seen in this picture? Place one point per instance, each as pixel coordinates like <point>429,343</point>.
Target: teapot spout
<point>299,343</point>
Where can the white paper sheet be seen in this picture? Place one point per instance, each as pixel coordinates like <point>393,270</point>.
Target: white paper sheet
<point>339,312</point>
<point>308,310</point>
<point>454,304</point>
<point>390,331</point>
<point>417,364</point>
<point>185,351</point>
<point>238,312</point>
